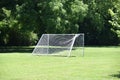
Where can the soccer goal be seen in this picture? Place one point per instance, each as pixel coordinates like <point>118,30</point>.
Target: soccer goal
<point>60,44</point>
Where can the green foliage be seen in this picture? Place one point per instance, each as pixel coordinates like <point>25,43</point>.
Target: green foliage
<point>98,19</point>
<point>115,17</point>
<point>14,27</point>
<point>97,26</point>
<point>63,16</point>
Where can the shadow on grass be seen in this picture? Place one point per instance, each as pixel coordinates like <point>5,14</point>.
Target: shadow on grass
<point>116,75</point>
<point>13,49</point>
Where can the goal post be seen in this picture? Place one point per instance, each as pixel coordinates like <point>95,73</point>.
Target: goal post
<point>59,44</point>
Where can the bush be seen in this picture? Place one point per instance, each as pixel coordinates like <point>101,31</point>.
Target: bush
<point>18,38</point>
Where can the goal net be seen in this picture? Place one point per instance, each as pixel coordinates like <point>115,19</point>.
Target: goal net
<point>60,44</point>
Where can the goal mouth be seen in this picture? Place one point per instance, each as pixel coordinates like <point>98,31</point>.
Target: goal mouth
<point>59,44</point>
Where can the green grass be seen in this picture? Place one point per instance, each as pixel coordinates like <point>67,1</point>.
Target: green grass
<point>99,63</point>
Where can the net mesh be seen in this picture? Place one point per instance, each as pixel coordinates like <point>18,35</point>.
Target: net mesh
<point>58,44</point>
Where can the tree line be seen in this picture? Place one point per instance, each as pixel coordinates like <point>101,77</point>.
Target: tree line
<point>22,22</point>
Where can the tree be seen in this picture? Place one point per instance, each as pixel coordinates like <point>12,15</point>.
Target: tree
<point>115,18</point>
<point>60,16</point>
<point>96,24</point>
<point>21,21</point>
<point>15,24</point>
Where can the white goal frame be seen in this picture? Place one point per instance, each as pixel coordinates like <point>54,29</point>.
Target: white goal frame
<point>39,48</point>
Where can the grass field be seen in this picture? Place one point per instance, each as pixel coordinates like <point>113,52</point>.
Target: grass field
<point>99,63</point>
